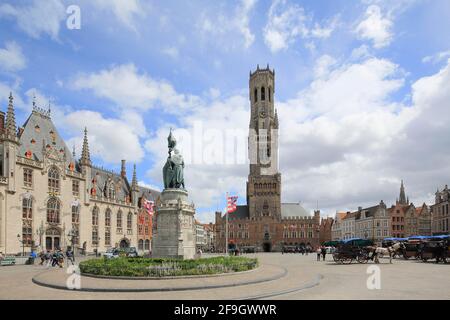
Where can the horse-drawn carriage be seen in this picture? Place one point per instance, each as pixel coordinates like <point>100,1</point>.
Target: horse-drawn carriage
<point>413,247</point>
<point>352,249</point>
<point>435,247</point>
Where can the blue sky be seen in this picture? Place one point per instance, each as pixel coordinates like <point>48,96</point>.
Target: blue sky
<point>361,88</point>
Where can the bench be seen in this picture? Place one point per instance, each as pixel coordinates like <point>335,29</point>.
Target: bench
<point>7,261</point>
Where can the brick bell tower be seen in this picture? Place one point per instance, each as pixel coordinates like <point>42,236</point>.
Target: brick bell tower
<point>264,180</point>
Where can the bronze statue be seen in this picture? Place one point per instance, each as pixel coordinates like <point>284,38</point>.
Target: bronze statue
<point>173,169</point>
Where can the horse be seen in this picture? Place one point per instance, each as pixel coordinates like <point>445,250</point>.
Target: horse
<point>386,251</point>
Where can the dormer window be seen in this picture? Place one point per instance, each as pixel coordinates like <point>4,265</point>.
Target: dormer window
<point>37,128</point>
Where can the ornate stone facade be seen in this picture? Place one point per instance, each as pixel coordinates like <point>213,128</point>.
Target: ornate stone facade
<point>49,199</point>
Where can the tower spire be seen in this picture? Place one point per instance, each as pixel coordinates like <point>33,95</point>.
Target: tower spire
<point>85,156</point>
<point>134,184</point>
<point>402,200</point>
<point>11,118</point>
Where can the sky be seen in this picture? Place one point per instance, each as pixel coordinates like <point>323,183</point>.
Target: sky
<point>362,90</point>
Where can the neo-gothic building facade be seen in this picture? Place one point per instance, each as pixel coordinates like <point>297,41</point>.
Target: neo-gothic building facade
<point>49,199</point>
<point>265,222</point>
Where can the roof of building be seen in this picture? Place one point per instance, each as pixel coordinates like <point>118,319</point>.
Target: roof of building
<point>39,132</point>
<point>294,210</point>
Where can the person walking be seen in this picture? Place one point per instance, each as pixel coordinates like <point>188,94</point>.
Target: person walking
<point>324,252</point>
<point>70,256</point>
<point>318,251</point>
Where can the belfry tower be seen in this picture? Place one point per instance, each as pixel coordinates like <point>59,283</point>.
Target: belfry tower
<point>264,180</point>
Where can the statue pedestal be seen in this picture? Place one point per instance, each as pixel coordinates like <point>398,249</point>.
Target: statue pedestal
<point>174,231</point>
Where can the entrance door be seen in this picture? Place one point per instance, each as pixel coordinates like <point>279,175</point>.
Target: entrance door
<point>124,244</point>
<point>267,246</point>
<point>52,239</point>
<point>48,243</point>
<point>56,243</point>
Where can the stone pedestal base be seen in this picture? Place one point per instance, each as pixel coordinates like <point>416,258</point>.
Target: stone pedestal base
<point>174,226</point>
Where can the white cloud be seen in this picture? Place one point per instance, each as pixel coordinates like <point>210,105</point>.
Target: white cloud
<point>171,52</point>
<point>128,88</point>
<point>110,139</point>
<point>125,11</point>
<point>40,17</point>
<point>376,27</point>
<point>225,26</point>
<point>436,58</point>
<point>11,57</point>
<point>287,22</point>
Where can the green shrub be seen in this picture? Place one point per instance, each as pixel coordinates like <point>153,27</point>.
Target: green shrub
<point>145,267</point>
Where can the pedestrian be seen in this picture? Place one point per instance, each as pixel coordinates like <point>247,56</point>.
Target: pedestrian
<point>42,257</point>
<point>33,256</point>
<point>70,256</point>
<point>318,251</point>
<point>54,258</point>
<point>1,256</point>
<point>324,252</point>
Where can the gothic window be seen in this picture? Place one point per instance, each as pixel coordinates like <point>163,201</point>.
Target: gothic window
<point>147,245</point>
<point>108,218</point>
<point>75,224</point>
<point>53,211</point>
<point>53,180</point>
<point>27,177</point>
<point>95,235</point>
<point>27,220</point>
<point>269,93</point>
<point>95,216</point>
<point>141,245</point>
<point>75,187</point>
<point>256,95</point>
<point>263,94</point>
<point>119,220</point>
<point>76,214</point>
<point>107,236</point>
<point>111,191</point>
<point>130,221</point>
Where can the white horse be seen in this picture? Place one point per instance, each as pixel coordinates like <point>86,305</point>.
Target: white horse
<point>387,251</point>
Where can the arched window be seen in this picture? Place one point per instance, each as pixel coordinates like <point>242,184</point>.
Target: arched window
<point>256,95</point>
<point>27,221</point>
<point>269,93</point>
<point>53,211</point>
<point>130,221</point>
<point>263,94</point>
<point>53,179</point>
<point>119,219</point>
<point>141,245</point>
<point>111,191</point>
<point>75,224</point>
<point>147,245</point>
<point>108,218</point>
<point>95,216</point>
<point>27,208</point>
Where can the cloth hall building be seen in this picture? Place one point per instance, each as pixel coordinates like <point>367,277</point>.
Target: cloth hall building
<point>265,222</point>
<point>49,199</point>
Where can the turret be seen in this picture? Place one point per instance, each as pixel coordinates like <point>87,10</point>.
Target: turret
<point>134,187</point>
<point>85,160</point>
<point>86,167</point>
<point>10,146</point>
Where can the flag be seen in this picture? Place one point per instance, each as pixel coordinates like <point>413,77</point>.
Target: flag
<point>231,204</point>
<point>149,206</point>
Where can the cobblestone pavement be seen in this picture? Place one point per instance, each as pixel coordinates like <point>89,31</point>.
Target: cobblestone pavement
<point>305,279</point>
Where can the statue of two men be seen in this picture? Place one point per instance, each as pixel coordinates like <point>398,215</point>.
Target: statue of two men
<point>173,169</point>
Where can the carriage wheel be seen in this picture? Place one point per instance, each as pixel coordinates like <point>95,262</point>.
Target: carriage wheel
<point>347,260</point>
<point>362,258</point>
